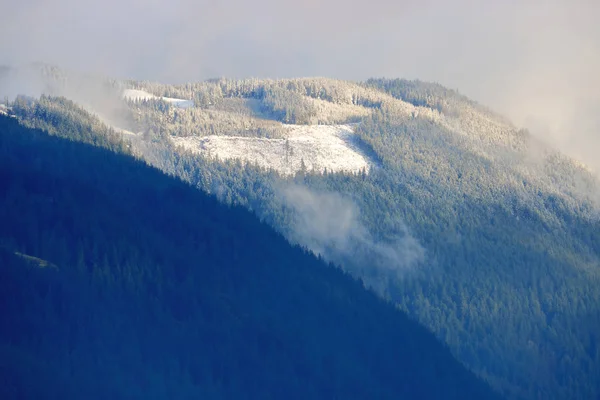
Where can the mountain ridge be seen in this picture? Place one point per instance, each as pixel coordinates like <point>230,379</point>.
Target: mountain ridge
<point>505,229</point>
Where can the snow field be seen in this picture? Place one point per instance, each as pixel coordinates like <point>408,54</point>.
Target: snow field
<point>317,147</point>
<point>134,94</point>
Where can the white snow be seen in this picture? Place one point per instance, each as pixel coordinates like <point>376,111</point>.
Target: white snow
<point>124,131</point>
<point>134,94</point>
<point>3,110</point>
<point>318,147</point>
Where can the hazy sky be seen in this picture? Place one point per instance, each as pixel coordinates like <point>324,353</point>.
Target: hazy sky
<point>536,61</point>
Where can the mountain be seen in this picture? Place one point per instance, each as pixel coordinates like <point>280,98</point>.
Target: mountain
<point>118,281</point>
<point>475,228</point>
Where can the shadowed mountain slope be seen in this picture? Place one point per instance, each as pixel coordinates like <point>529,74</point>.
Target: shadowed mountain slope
<point>117,281</point>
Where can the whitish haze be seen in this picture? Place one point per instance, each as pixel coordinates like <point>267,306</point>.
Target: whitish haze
<point>330,225</point>
<point>537,61</point>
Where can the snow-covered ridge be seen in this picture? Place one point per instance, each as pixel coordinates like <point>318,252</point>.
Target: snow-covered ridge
<point>311,147</point>
<point>134,94</point>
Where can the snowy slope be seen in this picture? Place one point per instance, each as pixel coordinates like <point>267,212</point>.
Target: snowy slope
<point>134,94</point>
<point>318,147</point>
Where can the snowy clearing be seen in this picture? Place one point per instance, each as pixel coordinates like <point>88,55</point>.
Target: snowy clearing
<point>124,131</point>
<point>318,147</point>
<point>134,94</point>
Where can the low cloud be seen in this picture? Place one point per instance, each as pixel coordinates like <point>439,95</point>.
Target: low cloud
<point>330,225</point>
<point>95,94</point>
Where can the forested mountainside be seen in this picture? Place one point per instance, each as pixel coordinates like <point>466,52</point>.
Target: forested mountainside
<point>120,282</point>
<point>486,236</point>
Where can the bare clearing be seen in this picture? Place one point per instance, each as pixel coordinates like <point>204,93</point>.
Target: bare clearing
<point>311,147</point>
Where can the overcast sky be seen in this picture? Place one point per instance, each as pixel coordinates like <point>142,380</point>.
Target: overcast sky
<point>536,61</point>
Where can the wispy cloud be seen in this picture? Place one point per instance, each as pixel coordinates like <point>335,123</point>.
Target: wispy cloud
<point>330,225</point>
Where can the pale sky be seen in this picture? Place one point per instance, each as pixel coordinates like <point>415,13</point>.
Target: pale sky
<point>538,62</point>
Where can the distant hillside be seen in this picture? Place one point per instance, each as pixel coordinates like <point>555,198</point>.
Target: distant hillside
<point>117,281</point>
<point>471,225</point>
<point>483,234</point>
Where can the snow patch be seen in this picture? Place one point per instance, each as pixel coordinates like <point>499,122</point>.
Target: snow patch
<point>134,94</point>
<point>124,131</point>
<point>310,147</point>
